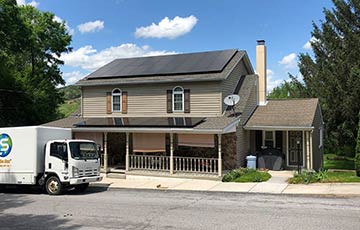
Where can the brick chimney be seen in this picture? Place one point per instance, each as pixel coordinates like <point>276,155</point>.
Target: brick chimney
<point>261,70</point>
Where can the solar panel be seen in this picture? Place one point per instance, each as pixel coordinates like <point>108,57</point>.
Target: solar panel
<point>204,62</point>
<point>145,122</point>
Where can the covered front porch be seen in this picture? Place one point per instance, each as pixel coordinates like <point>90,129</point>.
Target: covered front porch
<point>295,146</point>
<point>163,151</point>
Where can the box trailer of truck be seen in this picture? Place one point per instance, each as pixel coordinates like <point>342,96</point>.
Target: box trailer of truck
<point>47,156</point>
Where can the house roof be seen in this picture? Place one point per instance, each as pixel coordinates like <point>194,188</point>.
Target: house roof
<point>223,124</point>
<point>183,68</point>
<point>284,113</point>
<point>189,63</point>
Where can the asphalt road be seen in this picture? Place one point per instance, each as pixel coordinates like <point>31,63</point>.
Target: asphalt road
<point>139,209</point>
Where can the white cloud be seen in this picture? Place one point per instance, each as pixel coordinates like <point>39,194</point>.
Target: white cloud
<point>307,45</point>
<point>73,77</point>
<point>167,28</point>
<point>70,30</point>
<point>271,81</point>
<point>93,26</point>
<point>90,59</point>
<point>289,61</point>
<point>32,3</point>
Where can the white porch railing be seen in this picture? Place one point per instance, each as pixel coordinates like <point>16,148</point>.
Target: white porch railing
<point>181,164</point>
<point>159,163</point>
<point>196,165</point>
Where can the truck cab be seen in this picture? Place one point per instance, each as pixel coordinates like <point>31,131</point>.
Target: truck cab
<point>70,163</point>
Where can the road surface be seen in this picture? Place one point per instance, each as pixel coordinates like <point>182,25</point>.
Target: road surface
<point>142,209</point>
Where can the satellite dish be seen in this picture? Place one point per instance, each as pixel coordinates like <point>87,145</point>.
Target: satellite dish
<point>232,99</point>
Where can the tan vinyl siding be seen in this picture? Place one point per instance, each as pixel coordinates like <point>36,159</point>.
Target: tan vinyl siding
<point>317,151</point>
<point>150,100</point>
<point>242,145</point>
<point>228,85</point>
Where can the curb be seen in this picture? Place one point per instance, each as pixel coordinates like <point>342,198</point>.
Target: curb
<point>330,195</point>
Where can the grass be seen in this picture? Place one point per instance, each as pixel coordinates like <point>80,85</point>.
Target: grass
<point>246,175</point>
<point>344,177</point>
<point>325,177</point>
<point>332,161</point>
<point>69,107</point>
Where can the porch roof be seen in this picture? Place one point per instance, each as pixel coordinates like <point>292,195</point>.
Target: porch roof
<point>284,114</point>
<point>212,125</point>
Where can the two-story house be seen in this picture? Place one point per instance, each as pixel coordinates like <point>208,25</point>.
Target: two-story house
<point>167,114</point>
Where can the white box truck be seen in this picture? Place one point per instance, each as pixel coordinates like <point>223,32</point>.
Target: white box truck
<point>47,156</point>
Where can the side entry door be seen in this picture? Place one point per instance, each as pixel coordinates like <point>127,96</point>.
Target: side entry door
<point>58,160</point>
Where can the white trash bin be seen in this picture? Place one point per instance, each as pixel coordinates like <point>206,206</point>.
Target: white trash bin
<point>251,162</point>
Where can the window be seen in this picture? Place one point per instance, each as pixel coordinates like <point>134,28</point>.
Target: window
<point>178,99</point>
<point>116,100</point>
<point>58,150</point>
<point>269,139</point>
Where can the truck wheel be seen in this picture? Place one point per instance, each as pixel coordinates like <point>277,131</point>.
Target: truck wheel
<point>53,186</point>
<point>81,187</point>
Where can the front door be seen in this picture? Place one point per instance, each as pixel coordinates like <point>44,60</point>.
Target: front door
<point>295,146</point>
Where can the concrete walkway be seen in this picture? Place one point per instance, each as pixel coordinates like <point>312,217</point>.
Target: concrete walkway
<point>276,185</point>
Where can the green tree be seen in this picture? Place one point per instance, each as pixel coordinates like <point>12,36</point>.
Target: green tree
<point>357,152</point>
<point>29,56</point>
<point>289,89</point>
<point>333,72</point>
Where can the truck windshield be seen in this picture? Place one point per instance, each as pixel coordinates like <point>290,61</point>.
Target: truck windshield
<point>83,150</point>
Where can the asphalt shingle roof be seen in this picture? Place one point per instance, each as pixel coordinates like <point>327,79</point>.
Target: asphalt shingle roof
<point>284,113</point>
<point>188,77</point>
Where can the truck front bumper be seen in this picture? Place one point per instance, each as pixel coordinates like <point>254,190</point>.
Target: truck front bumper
<point>83,180</point>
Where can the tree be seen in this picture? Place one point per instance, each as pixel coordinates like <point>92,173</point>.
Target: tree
<point>289,89</point>
<point>357,152</point>
<point>29,56</point>
<point>333,73</point>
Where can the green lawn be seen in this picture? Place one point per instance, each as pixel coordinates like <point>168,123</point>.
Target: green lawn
<point>344,177</point>
<point>69,107</point>
<point>246,175</point>
<point>331,161</point>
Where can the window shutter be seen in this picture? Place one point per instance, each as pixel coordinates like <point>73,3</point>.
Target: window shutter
<point>187,100</point>
<point>108,102</point>
<point>169,101</point>
<point>124,104</point>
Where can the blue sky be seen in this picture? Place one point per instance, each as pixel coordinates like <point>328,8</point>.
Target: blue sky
<point>107,29</point>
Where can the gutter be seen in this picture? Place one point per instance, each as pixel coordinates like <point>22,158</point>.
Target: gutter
<point>148,130</point>
<point>305,128</point>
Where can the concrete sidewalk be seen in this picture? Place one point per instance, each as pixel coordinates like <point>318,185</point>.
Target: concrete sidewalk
<point>276,185</point>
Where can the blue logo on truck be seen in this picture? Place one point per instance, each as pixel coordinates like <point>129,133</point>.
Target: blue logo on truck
<point>5,145</point>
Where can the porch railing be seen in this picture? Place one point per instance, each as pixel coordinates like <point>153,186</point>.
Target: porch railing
<point>159,163</point>
<point>196,165</point>
<point>181,164</point>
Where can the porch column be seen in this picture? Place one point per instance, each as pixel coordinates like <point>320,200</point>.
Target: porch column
<point>219,156</point>
<point>171,153</point>
<point>105,154</point>
<point>127,153</point>
<point>311,150</point>
<point>308,150</point>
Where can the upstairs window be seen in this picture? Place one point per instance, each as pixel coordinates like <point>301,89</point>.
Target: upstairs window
<point>116,100</point>
<point>178,99</point>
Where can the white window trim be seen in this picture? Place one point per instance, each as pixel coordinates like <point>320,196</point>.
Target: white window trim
<point>274,138</point>
<point>173,101</point>
<point>112,101</point>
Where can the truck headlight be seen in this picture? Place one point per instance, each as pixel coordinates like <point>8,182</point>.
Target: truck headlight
<point>75,171</point>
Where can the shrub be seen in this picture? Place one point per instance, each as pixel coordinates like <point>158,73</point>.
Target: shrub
<point>304,178</point>
<point>357,151</point>
<point>246,175</point>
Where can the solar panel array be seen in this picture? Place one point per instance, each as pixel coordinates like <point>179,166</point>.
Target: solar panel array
<point>203,62</point>
<point>145,122</point>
